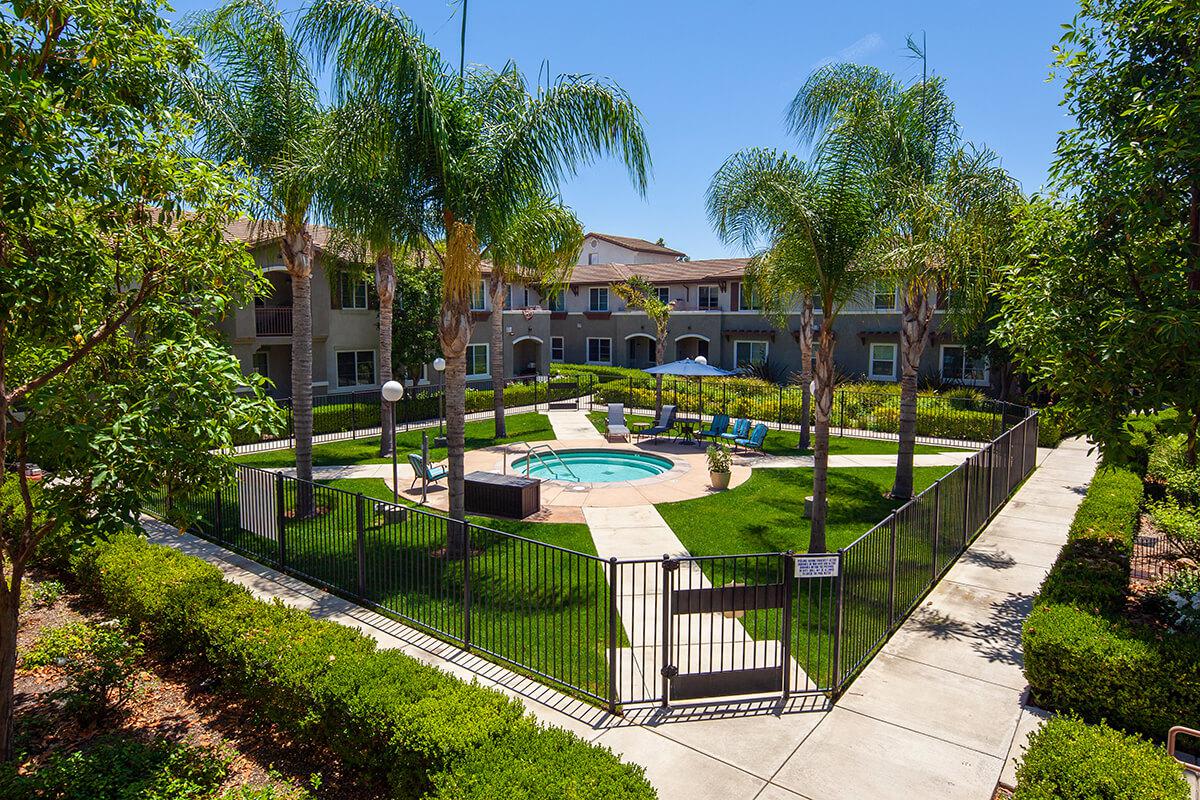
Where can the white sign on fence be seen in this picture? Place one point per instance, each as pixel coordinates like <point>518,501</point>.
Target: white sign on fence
<point>256,503</point>
<point>816,566</point>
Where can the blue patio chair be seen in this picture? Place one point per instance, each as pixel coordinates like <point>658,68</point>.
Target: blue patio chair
<point>741,429</point>
<point>666,421</point>
<point>755,440</point>
<point>431,472</point>
<point>615,426</point>
<point>720,423</point>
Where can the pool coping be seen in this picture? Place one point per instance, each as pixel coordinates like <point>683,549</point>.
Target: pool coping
<point>679,468</point>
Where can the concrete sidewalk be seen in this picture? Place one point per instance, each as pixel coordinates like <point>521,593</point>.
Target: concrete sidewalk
<point>938,713</point>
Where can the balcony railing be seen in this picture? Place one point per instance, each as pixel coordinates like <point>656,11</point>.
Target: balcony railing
<point>273,321</point>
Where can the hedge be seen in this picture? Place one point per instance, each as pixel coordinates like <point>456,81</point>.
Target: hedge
<point>1081,653</point>
<point>383,713</point>
<point>1069,760</point>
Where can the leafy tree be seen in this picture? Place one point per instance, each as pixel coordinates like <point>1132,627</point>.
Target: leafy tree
<point>419,292</point>
<point>810,229</point>
<point>111,372</point>
<point>1102,308</point>
<point>946,207</point>
<point>539,246</point>
<point>259,107</point>
<point>487,148</point>
<point>640,295</point>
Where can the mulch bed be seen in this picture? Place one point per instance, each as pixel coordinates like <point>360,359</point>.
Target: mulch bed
<point>176,700</point>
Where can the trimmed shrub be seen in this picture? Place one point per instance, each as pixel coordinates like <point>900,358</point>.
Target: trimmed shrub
<point>386,714</point>
<point>1069,760</point>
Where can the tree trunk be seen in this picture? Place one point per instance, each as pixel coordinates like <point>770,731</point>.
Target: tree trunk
<point>497,355</point>
<point>297,257</point>
<point>824,402</point>
<point>806,373</point>
<point>454,331</point>
<point>385,287</point>
<point>660,354</point>
<point>914,337</point>
<point>10,604</point>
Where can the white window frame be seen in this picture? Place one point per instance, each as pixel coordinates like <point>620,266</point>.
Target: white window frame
<point>592,259</point>
<point>959,379</point>
<point>558,343</point>
<point>487,361</point>
<point>884,288</point>
<point>745,295</point>
<point>266,365</point>
<point>482,296</point>
<point>338,370</point>
<point>871,361</point>
<point>350,287</point>
<point>715,296</point>
<point>557,301</point>
<point>663,293</point>
<point>766,348</point>
<point>591,339</point>
<point>594,293</point>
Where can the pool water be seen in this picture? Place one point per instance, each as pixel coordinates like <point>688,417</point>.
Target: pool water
<point>593,466</point>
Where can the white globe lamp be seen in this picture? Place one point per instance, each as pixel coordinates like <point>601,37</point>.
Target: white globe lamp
<point>701,360</point>
<point>392,391</point>
<point>439,364</point>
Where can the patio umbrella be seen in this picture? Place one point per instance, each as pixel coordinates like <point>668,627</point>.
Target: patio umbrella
<point>691,368</point>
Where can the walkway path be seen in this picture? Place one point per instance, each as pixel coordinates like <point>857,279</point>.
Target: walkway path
<point>574,426</point>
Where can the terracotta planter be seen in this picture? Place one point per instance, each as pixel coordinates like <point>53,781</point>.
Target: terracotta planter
<point>719,480</point>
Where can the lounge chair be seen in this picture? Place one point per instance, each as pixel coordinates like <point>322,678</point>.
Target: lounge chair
<point>666,422</point>
<point>755,440</point>
<point>720,423</point>
<point>615,427</point>
<point>431,472</point>
<point>741,429</point>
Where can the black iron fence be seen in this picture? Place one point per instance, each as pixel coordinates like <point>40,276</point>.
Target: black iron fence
<point>618,631</point>
<point>857,411</point>
<point>358,413</point>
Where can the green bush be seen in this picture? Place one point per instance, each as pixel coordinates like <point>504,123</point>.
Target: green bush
<point>385,714</point>
<point>1168,467</point>
<point>1179,523</point>
<point>99,662</point>
<point>1069,760</point>
<point>1054,425</point>
<point>1177,600</point>
<point>117,768</point>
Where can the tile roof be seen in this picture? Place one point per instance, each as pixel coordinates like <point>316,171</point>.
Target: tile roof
<point>663,272</point>
<point>635,244</point>
<point>258,232</point>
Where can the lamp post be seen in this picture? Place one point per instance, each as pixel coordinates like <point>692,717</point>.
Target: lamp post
<point>392,391</point>
<point>439,366</point>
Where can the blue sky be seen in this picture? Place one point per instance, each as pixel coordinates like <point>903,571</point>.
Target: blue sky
<point>714,77</point>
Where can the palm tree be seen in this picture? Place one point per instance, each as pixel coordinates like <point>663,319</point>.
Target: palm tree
<point>258,105</point>
<point>946,207</point>
<point>486,149</point>
<point>538,246</point>
<point>810,229</point>
<point>639,294</point>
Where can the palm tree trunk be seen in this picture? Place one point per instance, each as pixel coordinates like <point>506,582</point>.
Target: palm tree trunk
<point>497,354</point>
<point>385,287</point>
<point>914,336</point>
<point>824,398</point>
<point>297,257</point>
<point>660,355</point>
<point>806,372</point>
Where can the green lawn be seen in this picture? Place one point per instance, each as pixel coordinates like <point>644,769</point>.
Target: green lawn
<point>783,443</point>
<point>479,433</point>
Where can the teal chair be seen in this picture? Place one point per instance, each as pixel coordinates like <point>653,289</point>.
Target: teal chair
<point>755,440</point>
<point>741,429</point>
<point>432,472</point>
<point>720,423</point>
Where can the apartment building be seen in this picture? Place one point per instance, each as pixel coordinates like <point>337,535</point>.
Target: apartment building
<point>586,323</point>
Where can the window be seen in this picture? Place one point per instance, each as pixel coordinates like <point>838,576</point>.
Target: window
<point>883,362</point>
<point>884,297</point>
<point>479,296</point>
<point>259,363</point>
<point>354,293</point>
<point>746,354</point>
<point>599,351</point>
<point>748,299</point>
<point>598,298</point>
<point>707,298</point>
<point>591,258</point>
<point>508,298</point>
<point>958,367</point>
<point>477,361</point>
<point>356,368</point>
<point>557,302</point>
<point>556,348</point>
<point>663,293</point>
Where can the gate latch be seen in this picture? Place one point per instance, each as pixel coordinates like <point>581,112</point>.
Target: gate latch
<point>669,671</point>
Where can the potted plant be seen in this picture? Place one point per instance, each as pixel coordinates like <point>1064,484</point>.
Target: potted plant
<point>719,464</point>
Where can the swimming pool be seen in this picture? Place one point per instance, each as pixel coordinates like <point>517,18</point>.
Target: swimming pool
<point>593,466</point>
